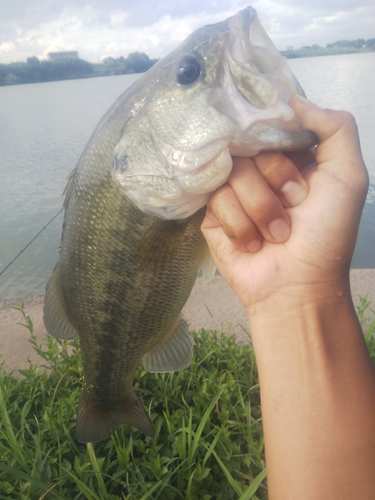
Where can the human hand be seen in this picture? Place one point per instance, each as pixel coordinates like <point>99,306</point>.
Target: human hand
<point>270,236</point>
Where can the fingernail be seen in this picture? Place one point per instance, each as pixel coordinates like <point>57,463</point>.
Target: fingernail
<point>301,99</point>
<point>279,230</point>
<point>254,246</point>
<point>294,193</point>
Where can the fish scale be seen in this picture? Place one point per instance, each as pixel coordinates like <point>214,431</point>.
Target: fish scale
<point>131,244</point>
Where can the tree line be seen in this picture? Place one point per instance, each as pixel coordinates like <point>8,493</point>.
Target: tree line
<point>36,71</point>
<point>360,43</point>
<point>339,47</point>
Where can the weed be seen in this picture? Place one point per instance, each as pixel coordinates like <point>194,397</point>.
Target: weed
<point>208,433</point>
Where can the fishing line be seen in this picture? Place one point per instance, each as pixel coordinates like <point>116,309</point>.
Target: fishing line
<point>35,237</point>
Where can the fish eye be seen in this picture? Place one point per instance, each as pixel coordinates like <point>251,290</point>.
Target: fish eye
<point>188,70</point>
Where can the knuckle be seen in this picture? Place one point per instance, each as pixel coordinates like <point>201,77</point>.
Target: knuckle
<point>362,180</point>
<point>240,232</point>
<point>277,170</point>
<point>346,117</point>
<point>220,196</point>
<point>271,163</point>
<point>342,119</point>
<point>264,206</point>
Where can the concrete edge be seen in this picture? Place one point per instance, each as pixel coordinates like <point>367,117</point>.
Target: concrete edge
<point>211,306</point>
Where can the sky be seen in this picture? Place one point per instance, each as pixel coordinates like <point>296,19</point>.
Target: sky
<point>104,28</point>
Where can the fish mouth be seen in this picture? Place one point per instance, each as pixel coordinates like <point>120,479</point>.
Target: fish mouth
<point>253,87</point>
<point>249,48</point>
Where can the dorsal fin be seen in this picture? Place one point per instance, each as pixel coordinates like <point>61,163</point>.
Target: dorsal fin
<point>173,354</point>
<point>68,188</point>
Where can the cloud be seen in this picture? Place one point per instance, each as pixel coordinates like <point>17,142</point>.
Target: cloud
<point>98,29</point>
<point>306,22</point>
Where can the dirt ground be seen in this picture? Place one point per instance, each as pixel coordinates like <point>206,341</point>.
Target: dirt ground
<point>211,305</point>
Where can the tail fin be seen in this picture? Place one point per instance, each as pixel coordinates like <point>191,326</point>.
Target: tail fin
<point>95,423</point>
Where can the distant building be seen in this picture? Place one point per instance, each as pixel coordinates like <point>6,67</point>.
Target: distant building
<point>290,47</point>
<point>72,54</point>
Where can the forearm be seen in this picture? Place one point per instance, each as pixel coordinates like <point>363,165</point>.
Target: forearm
<point>318,397</point>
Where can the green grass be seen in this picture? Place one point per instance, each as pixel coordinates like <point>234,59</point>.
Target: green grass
<point>208,440</point>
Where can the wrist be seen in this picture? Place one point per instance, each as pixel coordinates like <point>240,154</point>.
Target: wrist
<point>311,330</point>
<point>301,318</point>
<point>294,298</point>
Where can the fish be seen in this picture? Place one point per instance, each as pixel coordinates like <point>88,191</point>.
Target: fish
<point>131,244</point>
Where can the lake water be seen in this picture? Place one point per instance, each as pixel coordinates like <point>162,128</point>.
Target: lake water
<point>44,128</point>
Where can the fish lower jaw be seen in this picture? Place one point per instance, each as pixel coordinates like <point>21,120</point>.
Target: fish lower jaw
<point>183,194</point>
<point>171,208</point>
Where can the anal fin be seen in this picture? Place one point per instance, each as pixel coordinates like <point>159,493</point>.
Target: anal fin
<point>173,354</point>
<point>54,312</point>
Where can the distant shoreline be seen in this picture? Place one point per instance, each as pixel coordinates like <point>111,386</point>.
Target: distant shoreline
<point>36,71</point>
<point>322,51</point>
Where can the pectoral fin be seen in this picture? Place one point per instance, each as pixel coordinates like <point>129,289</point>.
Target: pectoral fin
<point>173,354</point>
<point>55,318</point>
<point>208,265</point>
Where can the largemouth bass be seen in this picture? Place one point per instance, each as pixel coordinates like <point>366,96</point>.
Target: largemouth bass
<point>131,243</point>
